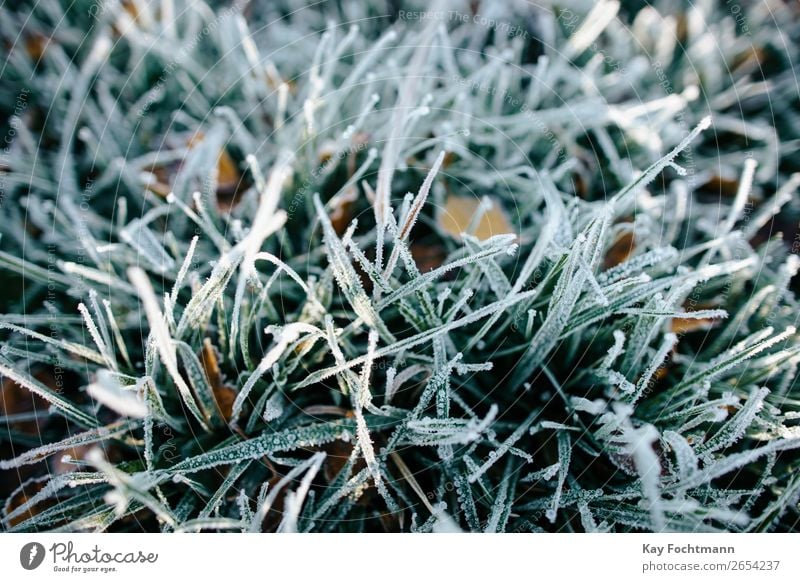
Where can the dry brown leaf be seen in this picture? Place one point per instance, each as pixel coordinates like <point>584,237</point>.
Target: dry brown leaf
<point>230,183</point>
<point>58,465</point>
<point>228,175</point>
<point>581,186</point>
<point>15,399</point>
<point>457,215</point>
<point>342,213</point>
<point>36,45</point>
<point>724,186</point>
<point>661,373</point>
<point>132,11</point>
<point>337,454</point>
<point>163,184</point>
<point>229,179</point>
<point>681,27</point>
<point>681,325</point>
<point>23,495</point>
<point>224,394</point>
<point>620,251</point>
<point>450,158</point>
<point>428,256</point>
<point>752,58</point>
<point>326,151</point>
<point>131,8</point>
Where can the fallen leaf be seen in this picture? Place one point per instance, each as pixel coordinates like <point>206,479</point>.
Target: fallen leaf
<point>342,213</point>
<point>450,158</point>
<point>458,212</point>
<point>131,8</point>
<point>36,45</point>
<point>580,184</point>
<point>57,464</point>
<point>338,453</point>
<point>230,183</point>
<point>326,151</point>
<point>752,58</point>
<point>681,28</point>
<point>681,325</point>
<point>428,256</point>
<point>719,185</point>
<point>162,185</point>
<point>620,251</point>
<point>224,394</point>
<point>15,399</point>
<point>22,495</point>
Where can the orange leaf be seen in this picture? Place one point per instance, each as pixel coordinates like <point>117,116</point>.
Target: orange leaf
<point>35,45</point>
<point>620,251</point>
<point>458,212</point>
<point>224,394</point>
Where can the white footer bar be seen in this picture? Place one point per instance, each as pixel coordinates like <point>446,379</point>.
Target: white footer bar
<point>388,557</point>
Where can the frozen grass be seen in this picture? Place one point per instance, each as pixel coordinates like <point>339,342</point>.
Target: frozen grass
<point>231,302</point>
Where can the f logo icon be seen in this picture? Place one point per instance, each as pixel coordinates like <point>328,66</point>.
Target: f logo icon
<point>31,555</point>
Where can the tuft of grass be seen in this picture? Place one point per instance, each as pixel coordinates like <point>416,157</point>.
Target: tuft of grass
<point>234,298</point>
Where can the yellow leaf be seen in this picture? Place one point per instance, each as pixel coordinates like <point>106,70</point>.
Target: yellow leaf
<point>458,212</point>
